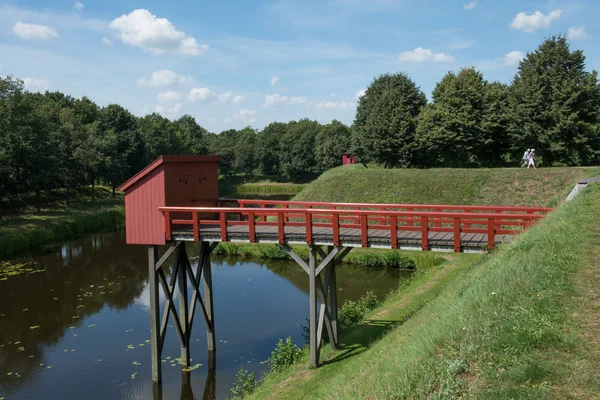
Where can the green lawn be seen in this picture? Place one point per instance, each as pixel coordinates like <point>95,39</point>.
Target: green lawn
<point>521,323</point>
<point>500,186</point>
<point>56,221</point>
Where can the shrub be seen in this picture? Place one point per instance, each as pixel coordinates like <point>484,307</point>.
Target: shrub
<point>395,259</point>
<point>351,313</point>
<point>285,354</point>
<point>274,252</point>
<point>244,384</point>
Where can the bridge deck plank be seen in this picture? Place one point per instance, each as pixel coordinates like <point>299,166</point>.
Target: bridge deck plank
<point>349,236</point>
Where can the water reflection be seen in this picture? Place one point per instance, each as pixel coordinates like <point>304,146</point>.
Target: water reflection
<point>79,327</point>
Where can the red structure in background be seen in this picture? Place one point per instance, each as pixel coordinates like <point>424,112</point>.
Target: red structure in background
<point>178,181</point>
<point>347,159</point>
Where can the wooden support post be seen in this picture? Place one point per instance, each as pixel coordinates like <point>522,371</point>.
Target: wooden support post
<point>424,233</point>
<point>195,225</point>
<point>183,305</point>
<point>364,231</point>
<point>457,244</point>
<point>309,229</point>
<point>394,231</point>
<point>167,225</point>
<point>154,314</point>
<point>336,229</point>
<point>251,227</point>
<point>312,276</point>
<point>491,233</point>
<point>208,303</point>
<point>223,223</point>
<point>333,297</point>
<point>280,228</point>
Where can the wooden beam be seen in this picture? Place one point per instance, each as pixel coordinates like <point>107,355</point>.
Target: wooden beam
<point>154,315</point>
<point>296,258</point>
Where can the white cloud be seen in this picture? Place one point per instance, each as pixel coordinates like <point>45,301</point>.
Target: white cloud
<point>274,80</point>
<point>161,109</point>
<point>360,93</point>
<point>175,109</point>
<point>142,29</point>
<point>244,115</point>
<point>202,94</point>
<point>334,105</point>
<point>537,20</point>
<point>272,100</point>
<point>35,84</point>
<point>238,99</point>
<point>421,55</point>
<point>212,121</point>
<point>78,6</point>
<point>471,5</point>
<point>206,94</point>
<point>164,77</point>
<point>575,33</point>
<point>513,58</point>
<point>33,31</point>
<point>169,96</point>
<point>106,41</point>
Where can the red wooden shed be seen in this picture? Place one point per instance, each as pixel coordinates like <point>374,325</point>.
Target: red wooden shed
<point>179,181</point>
<point>348,159</point>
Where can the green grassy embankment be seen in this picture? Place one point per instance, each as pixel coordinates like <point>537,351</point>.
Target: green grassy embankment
<point>238,186</point>
<point>500,186</point>
<point>522,323</point>
<point>25,228</point>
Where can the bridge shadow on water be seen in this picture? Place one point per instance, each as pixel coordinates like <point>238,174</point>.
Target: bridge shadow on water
<point>357,339</point>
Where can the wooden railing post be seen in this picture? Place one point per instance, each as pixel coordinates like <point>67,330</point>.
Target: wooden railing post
<point>167,225</point>
<point>410,222</point>
<point>457,246</point>
<point>424,233</point>
<point>280,228</point>
<point>438,224</point>
<point>195,225</point>
<point>252,227</point>
<point>491,233</point>
<point>364,231</point>
<point>394,231</point>
<point>309,228</point>
<point>223,223</point>
<point>336,229</point>
<point>286,218</point>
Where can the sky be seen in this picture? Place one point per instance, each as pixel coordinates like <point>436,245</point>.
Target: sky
<point>234,63</point>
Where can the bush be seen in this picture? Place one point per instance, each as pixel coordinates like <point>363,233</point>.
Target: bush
<point>352,312</point>
<point>285,354</point>
<point>244,384</point>
<point>274,252</point>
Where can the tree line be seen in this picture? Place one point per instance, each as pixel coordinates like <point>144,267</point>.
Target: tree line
<point>53,140</point>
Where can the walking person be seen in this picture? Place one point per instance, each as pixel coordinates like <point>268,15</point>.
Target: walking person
<point>526,158</point>
<point>531,162</point>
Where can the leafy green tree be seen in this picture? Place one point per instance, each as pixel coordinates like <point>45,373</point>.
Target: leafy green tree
<point>268,148</point>
<point>462,126</point>
<point>555,105</point>
<point>244,151</point>
<point>333,140</point>
<point>222,144</point>
<point>386,120</point>
<point>190,135</point>
<point>160,136</point>
<point>297,151</point>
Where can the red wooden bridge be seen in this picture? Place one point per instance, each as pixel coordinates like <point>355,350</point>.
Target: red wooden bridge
<point>392,226</point>
<point>175,201</point>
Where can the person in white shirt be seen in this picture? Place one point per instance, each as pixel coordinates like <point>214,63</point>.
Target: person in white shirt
<point>526,158</point>
<point>531,162</point>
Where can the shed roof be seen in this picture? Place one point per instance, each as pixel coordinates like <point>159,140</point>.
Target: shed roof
<point>162,160</point>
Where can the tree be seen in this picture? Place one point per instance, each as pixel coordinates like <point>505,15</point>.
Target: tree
<point>268,147</point>
<point>160,136</point>
<point>297,150</point>
<point>190,135</point>
<point>244,151</point>
<point>386,119</point>
<point>555,106</point>
<point>333,140</point>
<point>222,144</point>
<point>462,127</point>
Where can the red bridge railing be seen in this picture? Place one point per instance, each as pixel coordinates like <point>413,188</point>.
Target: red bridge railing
<point>505,220</point>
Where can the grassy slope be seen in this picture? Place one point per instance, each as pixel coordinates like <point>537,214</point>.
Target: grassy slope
<point>521,324</point>
<point>503,186</point>
<point>56,221</point>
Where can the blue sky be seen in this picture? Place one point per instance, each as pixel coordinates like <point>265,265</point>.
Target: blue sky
<point>236,63</point>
